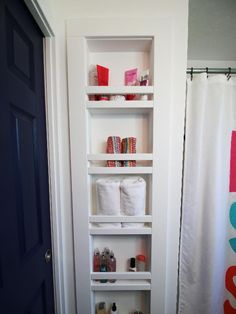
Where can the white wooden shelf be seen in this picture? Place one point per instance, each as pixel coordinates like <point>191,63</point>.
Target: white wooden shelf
<point>120,231</point>
<point>139,275</point>
<point>143,157</point>
<point>123,104</point>
<point>121,285</point>
<point>99,218</point>
<point>118,90</point>
<point>119,170</point>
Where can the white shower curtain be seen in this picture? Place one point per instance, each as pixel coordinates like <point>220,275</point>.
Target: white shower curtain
<point>207,247</point>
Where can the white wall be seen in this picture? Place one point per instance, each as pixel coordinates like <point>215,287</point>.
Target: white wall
<point>212,30</point>
<point>178,10</point>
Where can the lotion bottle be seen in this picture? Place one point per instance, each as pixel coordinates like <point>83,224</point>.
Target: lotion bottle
<point>114,309</point>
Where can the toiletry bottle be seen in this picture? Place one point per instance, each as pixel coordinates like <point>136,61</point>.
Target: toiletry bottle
<point>103,267</point>
<point>114,309</point>
<point>111,265</point>
<point>101,308</point>
<point>132,264</point>
<point>141,262</point>
<point>96,260</point>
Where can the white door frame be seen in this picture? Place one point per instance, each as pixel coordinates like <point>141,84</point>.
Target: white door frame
<point>52,120</point>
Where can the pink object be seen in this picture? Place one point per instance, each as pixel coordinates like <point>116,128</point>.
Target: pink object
<point>232,185</point>
<point>131,80</point>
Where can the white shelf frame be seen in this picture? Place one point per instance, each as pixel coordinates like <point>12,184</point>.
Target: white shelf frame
<point>122,285</point>
<point>144,275</point>
<point>123,90</point>
<point>142,156</point>
<point>120,231</point>
<point>111,104</point>
<point>120,170</point>
<point>161,32</point>
<point>98,218</point>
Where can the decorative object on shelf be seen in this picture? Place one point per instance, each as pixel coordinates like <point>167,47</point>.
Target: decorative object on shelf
<point>132,266</point>
<point>141,262</point>
<point>108,199</point>
<point>101,308</point>
<point>131,80</point>
<point>128,146</point>
<point>133,199</point>
<point>113,147</point>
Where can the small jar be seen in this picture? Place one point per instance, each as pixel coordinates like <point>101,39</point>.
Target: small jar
<point>141,262</point>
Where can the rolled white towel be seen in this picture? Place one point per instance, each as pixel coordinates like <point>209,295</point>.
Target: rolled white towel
<point>108,199</point>
<point>133,199</point>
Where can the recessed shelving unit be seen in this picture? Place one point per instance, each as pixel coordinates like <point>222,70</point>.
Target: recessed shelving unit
<point>91,122</point>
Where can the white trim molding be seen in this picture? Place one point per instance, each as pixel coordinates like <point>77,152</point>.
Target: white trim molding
<point>40,12</point>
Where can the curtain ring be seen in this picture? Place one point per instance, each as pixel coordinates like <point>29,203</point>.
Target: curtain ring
<point>229,74</point>
<point>207,71</point>
<point>191,73</point>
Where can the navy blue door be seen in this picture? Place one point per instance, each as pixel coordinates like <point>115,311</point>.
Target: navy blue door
<point>26,285</point>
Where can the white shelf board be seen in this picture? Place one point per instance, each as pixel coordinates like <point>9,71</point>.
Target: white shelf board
<point>132,104</point>
<point>120,231</point>
<point>139,275</point>
<point>119,170</point>
<point>99,218</point>
<point>118,90</point>
<point>120,285</point>
<point>120,44</point>
<point>144,157</point>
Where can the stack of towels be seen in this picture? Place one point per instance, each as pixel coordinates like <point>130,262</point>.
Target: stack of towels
<point>121,197</point>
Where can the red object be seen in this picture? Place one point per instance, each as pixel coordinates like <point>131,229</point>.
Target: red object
<point>103,75</point>
<point>232,185</point>
<point>141,258</point>
<point>231,287</point>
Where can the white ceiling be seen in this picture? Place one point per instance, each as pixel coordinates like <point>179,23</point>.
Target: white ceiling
<point>212,30</point>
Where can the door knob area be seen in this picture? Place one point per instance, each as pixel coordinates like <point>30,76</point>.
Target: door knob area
<point>48,256</point>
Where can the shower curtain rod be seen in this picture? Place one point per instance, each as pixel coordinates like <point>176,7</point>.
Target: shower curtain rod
<point>211,70</point>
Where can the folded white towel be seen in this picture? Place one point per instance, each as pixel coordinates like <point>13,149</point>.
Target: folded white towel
<point>133,199</point>
<point>108,199</point>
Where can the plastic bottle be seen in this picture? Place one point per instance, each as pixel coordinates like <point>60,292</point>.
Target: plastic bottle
<point>96,260</point>
<point>114,309</point>
<point>132,264</point>
<point>141,263</point>
<point>111,265</point>
<point>103,267</point>
<point>101,308</point>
